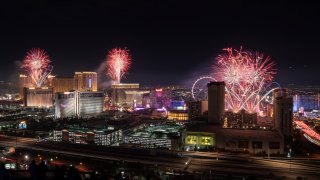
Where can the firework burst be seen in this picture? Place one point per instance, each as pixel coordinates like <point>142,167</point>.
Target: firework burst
<point>247,75</point>
<point>37,64</point>
<point>118,63</point>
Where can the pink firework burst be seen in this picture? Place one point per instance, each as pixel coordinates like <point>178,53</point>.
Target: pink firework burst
<point>36,63</point>
<point>118,63</point>
<point>246,75</point>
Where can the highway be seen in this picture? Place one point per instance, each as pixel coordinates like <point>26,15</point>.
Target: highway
<point>192,162</point>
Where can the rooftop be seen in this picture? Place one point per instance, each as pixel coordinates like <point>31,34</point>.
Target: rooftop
<point>160,131</point>
<point>232,132</point>
<point>216,83</point>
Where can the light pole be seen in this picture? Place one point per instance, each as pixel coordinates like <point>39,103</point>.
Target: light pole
<point>16,150</point>
<point>289,156</point>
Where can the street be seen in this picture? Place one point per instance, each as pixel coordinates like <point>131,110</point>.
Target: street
<point>192,162</point>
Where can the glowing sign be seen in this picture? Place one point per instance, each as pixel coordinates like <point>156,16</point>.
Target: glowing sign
<point>10,166</point>
<point>199,140</point>
<point>206,141</point>
<point>22,125</point>
<point>191,140</point>
<point>90,83</point>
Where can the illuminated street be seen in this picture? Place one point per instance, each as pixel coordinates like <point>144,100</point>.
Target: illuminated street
<point>216,163</point>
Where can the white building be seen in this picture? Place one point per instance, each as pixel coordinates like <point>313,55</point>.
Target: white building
<point>102,137</point>
<point>79,104</point>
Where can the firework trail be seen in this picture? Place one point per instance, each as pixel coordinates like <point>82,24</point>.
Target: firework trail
<point>37,64</point>
<point>118,64</point>
<point>247,75</point>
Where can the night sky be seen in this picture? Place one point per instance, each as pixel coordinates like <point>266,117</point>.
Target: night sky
<point>170,42</point>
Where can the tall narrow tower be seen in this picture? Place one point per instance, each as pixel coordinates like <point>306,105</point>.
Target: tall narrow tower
<point>216,102</point>
<point>283,112</point>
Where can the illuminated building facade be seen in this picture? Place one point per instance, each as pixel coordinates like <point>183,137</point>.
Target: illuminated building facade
<point>147,100</point>
<point>7,124</point>
<point>26,81</point>
<point>103,137</point>
<point>176,115</point>
<point>147,142</point>
<point>63,84</point>
<point>306,102</point>
<point>125,86</point>
<point>178,105</point>
<point>270,110</point>
<point>134,98</point>
<point>155,136</point>
<point>127,94</point>
<point>216,102</point>
<point>252,141</point>
<point>90,103</point>
<point>163,97</point>
<point>158,98</point>
<point>241,119</point>
<point>199,140</point>
<point>200,136</point>
<point>197,109</point>
<point>80,104</point>
<point>86,81</point>
<point>38,97</point>
<point>65,104</point>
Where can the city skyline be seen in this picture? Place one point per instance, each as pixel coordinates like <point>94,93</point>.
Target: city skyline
<point>170,43</point>
<point>156,89</point>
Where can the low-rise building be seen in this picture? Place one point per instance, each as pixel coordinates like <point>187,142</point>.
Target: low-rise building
<point>178,115</point>
<point>104,137</point>
<point>199,140</point>
<point>166,136</point>
<point>245,140</point>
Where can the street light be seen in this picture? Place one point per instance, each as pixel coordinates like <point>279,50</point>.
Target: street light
<point>26,157</point>
<point>289,156</point>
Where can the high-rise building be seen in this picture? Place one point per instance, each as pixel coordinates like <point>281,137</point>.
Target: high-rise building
<point>26,81</point>
<point>216,102</point>
<point>197,109</point>
<point>63,84</point>
<point>280,92</point>
<point>283,112</point>
<point>241,119</point>
<point>65,104</point>
<point>90,103</point>
<point>126,93</point>
<point>48,82</point>
<point>77,103</point>
<point>270,111</point>
<point>86,81</point>
<point>38,97</point>
<point>306,102</point>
